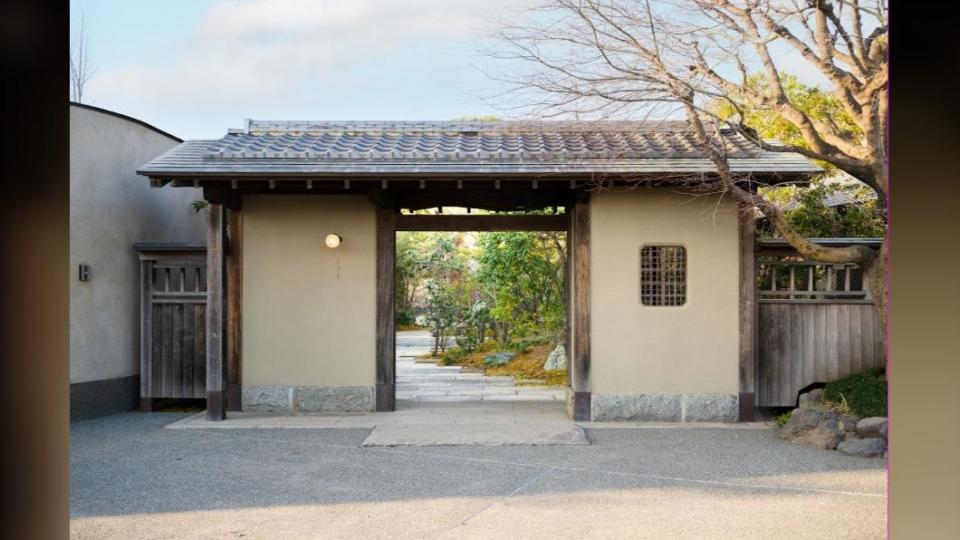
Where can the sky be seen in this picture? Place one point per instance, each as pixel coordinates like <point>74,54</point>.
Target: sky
<point>195,68</point>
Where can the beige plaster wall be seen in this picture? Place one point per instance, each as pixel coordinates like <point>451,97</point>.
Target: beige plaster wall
<point>111,207</point>
<point>638,349</point>
<point>308,310</point>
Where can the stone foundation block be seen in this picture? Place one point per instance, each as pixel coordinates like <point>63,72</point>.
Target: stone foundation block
<point>267,399</point>
<point>711,407</point>
<point>637,407</point>
<point>307,399</point>
<point>347,399</point>
<point>665,407</point>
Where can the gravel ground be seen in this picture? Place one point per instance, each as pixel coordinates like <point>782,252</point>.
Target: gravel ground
<point>133,479</point>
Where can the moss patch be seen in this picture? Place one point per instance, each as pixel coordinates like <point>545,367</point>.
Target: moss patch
<point>864,394</point>
<point>527,364</point>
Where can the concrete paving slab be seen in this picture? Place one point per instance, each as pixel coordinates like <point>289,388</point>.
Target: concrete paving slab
<point>130,478</point>
<point>477,434</point>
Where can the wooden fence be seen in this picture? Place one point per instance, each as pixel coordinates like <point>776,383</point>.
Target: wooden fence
<point>173,322</point>
<point>816,323</point>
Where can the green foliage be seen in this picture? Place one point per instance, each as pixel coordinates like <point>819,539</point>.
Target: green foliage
<point>448,288</point>
<point>864,393</point>
<point>471,330</point>
<point>410,269</point>
<point>814,219</point>
<point>811,217</point>
<point>198,205</point>
<point>811,100</point>
<point>522,275</point>
<point>453,355</point>
<point>404,317</point>
<point>782,419</point>
<point>508,285</point>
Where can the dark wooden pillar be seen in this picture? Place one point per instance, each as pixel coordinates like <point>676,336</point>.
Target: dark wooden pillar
<point>386,338</point>
<point>234,299</point>
<point>146,332</point>
<point>580,251</point>
<point>748,312</point>
<point>216,374</point>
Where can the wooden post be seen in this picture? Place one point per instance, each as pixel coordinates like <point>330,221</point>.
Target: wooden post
<point>580,249</point>
<point>748,312</point>
<point>386,339</point>
<point>234,311</point>
<point>146,331</point>
<point>216,375</point>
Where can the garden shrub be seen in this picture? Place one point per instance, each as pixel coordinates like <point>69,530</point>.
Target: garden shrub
<point>452,355</point>
<point>404,317</point>
<point>864,393</point>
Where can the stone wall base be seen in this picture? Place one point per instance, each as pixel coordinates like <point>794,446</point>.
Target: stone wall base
<point>665,407</point>
<point>308,399</point>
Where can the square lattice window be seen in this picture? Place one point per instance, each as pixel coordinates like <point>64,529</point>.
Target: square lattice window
<point>663,275</point>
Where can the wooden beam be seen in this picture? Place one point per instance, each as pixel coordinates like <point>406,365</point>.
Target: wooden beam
<point>473,222</point>
<point>386,339</point>
<point>748,313</point>
<point>580,249</point>
<point>227,197</point>
<point>216,375</point>
<point>234,311</point>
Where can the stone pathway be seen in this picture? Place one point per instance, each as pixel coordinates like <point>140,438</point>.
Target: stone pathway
<point>437,406</point>
<point>423,381</point>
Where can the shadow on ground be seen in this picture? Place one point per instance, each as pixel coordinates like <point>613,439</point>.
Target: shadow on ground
<point>127,471</point>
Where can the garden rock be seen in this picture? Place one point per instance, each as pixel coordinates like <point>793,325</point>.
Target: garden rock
<point>823,436</point>
<point>801,420</point>
<point>557,359</point>
<point>820,428</point>
<point>875,426</point>
<point>848,423</point>
<point>811,399</point>
<point>871,447</point>
<point>498,359</point>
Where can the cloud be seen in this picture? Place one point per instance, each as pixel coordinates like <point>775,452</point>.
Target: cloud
<point>242,51</point>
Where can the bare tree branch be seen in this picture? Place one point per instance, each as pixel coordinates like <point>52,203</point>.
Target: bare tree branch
<point>620,58</point>
<point>80,68</point>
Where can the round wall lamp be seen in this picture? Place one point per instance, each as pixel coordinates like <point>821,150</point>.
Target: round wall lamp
<point>333,240</point>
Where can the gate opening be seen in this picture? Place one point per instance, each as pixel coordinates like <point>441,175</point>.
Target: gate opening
<point>481,316</point>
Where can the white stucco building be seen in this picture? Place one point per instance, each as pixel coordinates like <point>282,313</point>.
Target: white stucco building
<point>110,209</point>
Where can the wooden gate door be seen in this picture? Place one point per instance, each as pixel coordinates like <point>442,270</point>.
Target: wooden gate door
<point>173,299</point>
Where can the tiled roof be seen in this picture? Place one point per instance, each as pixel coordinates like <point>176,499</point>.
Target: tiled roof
<point>317,148</point>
